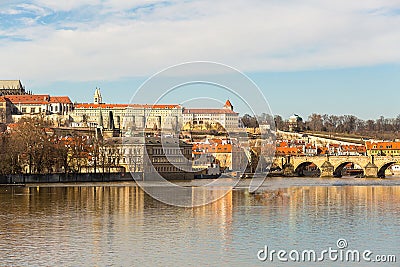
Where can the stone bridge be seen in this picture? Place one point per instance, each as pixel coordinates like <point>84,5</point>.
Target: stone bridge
<point>332,166</point>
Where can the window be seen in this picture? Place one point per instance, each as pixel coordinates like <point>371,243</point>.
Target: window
<point>23,110</point>
<point>33,110</point>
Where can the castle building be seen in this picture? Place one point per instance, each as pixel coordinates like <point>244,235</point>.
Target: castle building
<point>11,87</point>
<point>14,107</point>
<point>39,104</point>
<point>127,116</point>
<point>150,157</point>
<point>225,116</point>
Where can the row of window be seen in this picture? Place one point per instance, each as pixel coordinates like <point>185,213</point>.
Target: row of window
<point>167,169</point>
<point>168,151</point>
<point>386,152</point>
<point>387,147</point>
<point>39,109</point>
<point>166,160</point>
<point>127,151</point>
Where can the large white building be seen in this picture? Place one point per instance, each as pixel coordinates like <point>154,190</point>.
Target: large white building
<point>56,108</point>
<point>159,116</point>
<point>127,115</point>
<point>225,116</point>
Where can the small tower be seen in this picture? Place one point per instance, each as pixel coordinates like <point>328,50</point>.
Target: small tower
<point>228,105</point>
<point>97,99</point>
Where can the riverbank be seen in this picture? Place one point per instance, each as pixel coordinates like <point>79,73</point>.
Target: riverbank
<point>68,178</point>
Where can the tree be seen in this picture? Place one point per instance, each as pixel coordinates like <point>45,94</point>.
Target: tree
<point>31,137</point>
<point>315,122</point>
<point>249,121</point>
<point>279,123</point>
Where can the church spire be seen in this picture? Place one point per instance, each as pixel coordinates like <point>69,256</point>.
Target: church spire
<point>228,105</point>
<point>97,99</point>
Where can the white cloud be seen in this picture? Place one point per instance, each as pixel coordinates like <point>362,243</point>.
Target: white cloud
<point>250,35</point>
<point>64,5</point>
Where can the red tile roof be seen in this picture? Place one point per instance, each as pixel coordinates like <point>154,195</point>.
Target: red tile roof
<point>207,111</point>
<point>28,99</point>
<point>110,106</point>
<point>383,145</point>
<point>208,148</point>
<point>288,151</point>
<point>60,99</point>
<point>228,103</point>
<point>38,99</point>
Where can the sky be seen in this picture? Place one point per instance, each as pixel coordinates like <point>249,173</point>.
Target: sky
<point>336,57</point>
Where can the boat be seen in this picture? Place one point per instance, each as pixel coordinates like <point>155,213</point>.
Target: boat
<point>213,171</point>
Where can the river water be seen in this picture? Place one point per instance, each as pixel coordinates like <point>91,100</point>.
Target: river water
<point>119,225</point>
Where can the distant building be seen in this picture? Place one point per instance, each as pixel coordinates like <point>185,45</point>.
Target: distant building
<point>11,87</point>
<point>226,117</point>
<point>172,159</point>
<point>383,148</point>
<point>219,149</point>
<point>127,116</point>
<point>295,123</point>
<point>40,104</point>
<point>14,107</point>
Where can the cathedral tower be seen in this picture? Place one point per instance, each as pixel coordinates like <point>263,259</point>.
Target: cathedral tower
<point>97,99</point>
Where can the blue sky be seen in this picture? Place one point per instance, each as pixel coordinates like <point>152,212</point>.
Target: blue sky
<point>338,57</point>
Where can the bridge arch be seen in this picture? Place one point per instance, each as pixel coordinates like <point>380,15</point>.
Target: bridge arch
<point>382,170</point>
<point>308,168</point>
<point>339,169</point>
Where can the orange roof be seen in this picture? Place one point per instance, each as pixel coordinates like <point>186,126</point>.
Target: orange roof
<point>37,99</point>
<point>228,103</point>
<point>11,126</point>
<point>105,106</point>
<point>207,148</point>
<point>361,149</point>
<point>28,99</point>
<point>382,145</point>
<point>283,144</point>
<point>60,99</point>
<point>207,111</point>
<point>3,99</point>
<point>288,151</point>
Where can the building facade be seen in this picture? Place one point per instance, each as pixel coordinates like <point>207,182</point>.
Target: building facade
<point>170,158</point>
<point>226,117</point>
<point>11,87</point>
<point>127,116</point>
<point>14,107</point>
<point>155,117</point>
<point>383,148</point>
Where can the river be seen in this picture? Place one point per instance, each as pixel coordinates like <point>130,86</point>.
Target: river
<point>120,225</point>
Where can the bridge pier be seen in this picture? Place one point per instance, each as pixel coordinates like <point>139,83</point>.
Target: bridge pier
<point>327,170</point>
<point>288,170</point>
<point>371,171</point>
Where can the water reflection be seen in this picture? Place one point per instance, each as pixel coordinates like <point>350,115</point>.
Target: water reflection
<point>121,225</point>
